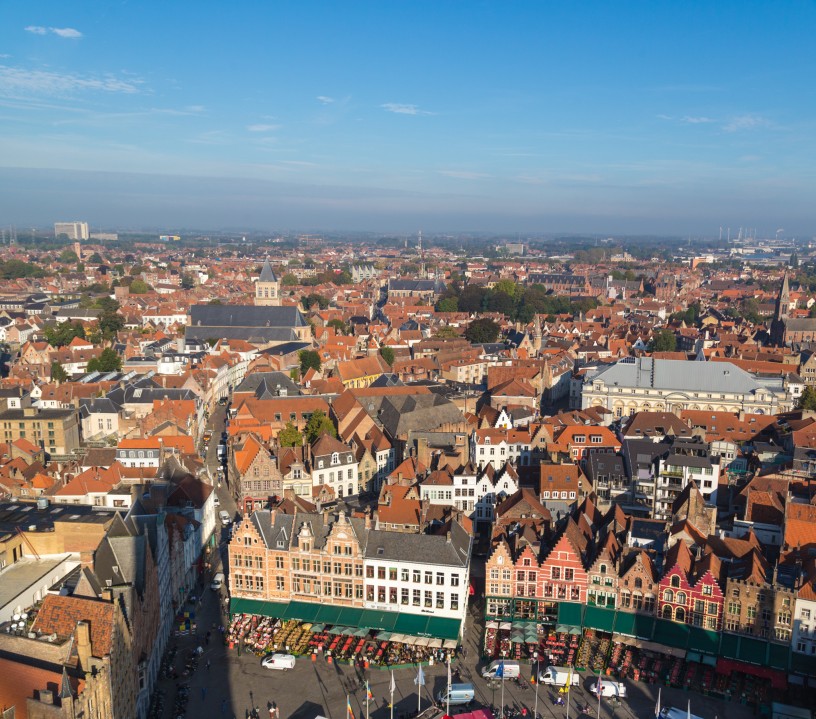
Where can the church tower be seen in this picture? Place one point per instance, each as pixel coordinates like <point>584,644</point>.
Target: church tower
<point>781,310</point>
<point>267,287</point>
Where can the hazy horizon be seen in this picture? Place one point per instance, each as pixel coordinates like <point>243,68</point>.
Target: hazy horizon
<point>663,118</point>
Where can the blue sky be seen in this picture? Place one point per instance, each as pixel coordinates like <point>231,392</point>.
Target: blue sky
<point>671,117</point>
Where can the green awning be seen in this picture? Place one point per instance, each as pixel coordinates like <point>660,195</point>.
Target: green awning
<point>443,628</point>
<point>383,636</point>
<point>803,664</point>
<point>378,620</point>
<point>704,641</point>
<point>753,651</point>
<point>561,628</point>
<point>329,614</point>
<point>302,611</point>
<point>570,614</point>
<point>693,657</point>
<point>599,618</point>
<point>672,634</point>
<point>729,645</point>
<point>778,656</point>
<point>275,610</point>
<point>350,616</point>
<point>413,625</point>
<point>631,624</point>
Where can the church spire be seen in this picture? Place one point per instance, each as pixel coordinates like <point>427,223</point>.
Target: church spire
<point>783,300</point>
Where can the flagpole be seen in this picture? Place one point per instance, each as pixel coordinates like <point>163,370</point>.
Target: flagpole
<point>419,689</point>
<point>447,711</point>
<point>392,694</point>
<point>536,677</point>
<point>569,683</point>
<point>368,701</point>
<point>600,693</point>
<point>502,691</point>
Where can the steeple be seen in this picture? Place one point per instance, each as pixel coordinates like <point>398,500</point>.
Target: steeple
<point>783,300</point>
<point>267,274</point>
<point>267,287</point>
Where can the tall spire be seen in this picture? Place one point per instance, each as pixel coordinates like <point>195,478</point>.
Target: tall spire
<point>267,273</point>
<point>783,300</point>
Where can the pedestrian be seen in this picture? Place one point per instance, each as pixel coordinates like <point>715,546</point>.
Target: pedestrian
<point>208,665</point>
<point>271,712</point>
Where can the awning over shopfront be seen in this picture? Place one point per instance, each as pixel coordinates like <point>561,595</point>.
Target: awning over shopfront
<point>599,618</point>
<point>634,625</point>
<point>779,680</point>
<point>703,641</point>
<point>352,619</point>
<point>672,634</point>
<point>571,614</point>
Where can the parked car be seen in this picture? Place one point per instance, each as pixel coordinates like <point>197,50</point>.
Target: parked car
<point>217,582</point>
<point>457,694</point>
<point>278,661</point>
<point>225,518</point>
<point>502,669</point>
<point>608,688</point>
<point>559,676</point>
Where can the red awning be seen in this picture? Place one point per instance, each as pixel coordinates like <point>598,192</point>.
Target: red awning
<point>779,680</point>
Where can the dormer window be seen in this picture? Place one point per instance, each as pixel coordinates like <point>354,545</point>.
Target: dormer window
<point>335,459</point>
<point>280,544</point>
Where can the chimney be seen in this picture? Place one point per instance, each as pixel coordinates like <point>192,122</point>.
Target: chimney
<point>447,537</point>
<point>83,640</point>
<point>46,696</point>
<point>368,517</point>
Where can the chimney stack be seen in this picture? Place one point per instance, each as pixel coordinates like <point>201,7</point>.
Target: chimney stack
<point>83,639</point>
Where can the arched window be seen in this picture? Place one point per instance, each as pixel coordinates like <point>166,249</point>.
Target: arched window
<point>675,581</point>
<point>667,612</point>
<point>638,583</point>
<point>668,596</point>
<point>602,569</point>
<point>680,614</point>
<point>681,598</point>
<point>335,458</point>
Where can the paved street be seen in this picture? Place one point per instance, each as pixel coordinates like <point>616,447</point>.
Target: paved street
<point>234,685</point>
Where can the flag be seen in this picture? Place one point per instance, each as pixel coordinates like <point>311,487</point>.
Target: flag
<point>349,712</point>
<point>689,709</point>
<point>393,683</point>
<point>449,674</point>
<point>419,679</point>
<point>369,695</point>
<point>657,708</point>
<point>500,670</point>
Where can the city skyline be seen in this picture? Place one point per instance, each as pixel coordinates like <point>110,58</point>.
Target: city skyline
<point>523,117</point>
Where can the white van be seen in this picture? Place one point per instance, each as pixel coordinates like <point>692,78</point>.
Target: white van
<point>225,518</point>
<point>278,661</point>
<point>608,688</point>
<point>217,582</point>
<point>458,694</point>
<point>559,676</point>
<point>511,670</point>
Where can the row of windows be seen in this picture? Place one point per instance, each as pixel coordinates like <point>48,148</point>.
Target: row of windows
<point>417,596</point>
<point>415,575</point>
<point>316,587</point>
<point>555,495</point>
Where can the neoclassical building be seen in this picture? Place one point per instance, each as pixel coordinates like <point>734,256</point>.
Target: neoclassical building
<point>643,384</point>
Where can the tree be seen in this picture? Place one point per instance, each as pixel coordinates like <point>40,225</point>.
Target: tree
<point>139,287</point>
<point>318,424</point>
<point>664,341</point>
<point>187,282</point>
<point>388,355</point>
<point>289,280</point>
<point>58,373</point>
<point>507,286</point>
<point>340,327</point>
<point>61,334</point>
<point>448,304</point>
<point>807,400</point>
<point>472,298</point>
<point>446,332</point>
<point>314,298</point>
<point>309,359</point>
<point>482,330</point>
<point>501,302</point>
<point>290,436</point>
<point>108,361</point>
<point>68,257</point>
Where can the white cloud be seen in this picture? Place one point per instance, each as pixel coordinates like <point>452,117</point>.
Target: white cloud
<point>696,120</point>
<point>403,109</point>
<point>664,117</point>
<point>195,108</point>
<point>15,80</point>
<point>67,32</point>
<point>464,174</point>
<point>262,128</point>
<point>746,122</point>
<point>324,100</point>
